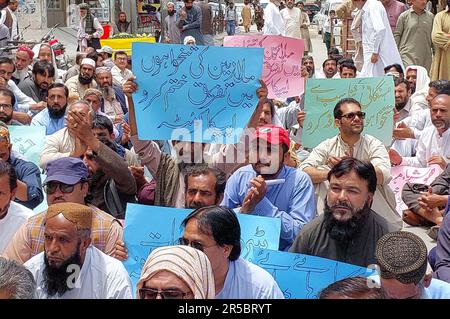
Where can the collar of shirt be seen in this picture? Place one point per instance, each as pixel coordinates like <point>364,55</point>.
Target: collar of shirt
<point>350,149</point>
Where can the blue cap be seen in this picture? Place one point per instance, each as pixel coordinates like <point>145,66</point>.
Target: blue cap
<point>67,170</point>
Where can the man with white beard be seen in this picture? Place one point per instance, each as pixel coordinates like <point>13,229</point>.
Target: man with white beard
<point>379,48</point>
<point>114,102</point>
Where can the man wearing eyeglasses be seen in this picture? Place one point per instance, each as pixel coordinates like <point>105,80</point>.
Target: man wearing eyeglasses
<point>120,72</point>
<point>351,142</point>
<point>66,182</point>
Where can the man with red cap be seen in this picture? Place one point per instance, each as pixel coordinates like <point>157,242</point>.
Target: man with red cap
<point>269,188</point>
<point>24,57</point>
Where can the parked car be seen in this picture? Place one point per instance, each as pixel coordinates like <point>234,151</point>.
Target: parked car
<point>311,9</point>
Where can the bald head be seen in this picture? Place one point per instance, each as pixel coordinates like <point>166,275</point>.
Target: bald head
<point>440,112</point>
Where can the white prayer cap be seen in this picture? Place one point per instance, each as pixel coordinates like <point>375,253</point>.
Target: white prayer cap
<point>88,62</point>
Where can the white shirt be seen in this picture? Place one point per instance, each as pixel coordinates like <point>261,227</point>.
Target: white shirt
<point>430,144</point>
<point>101,277</point>
<point>15,25</point>
<point>418,121</point>
<point>293,20</point>
<point>273,22</point>
<point>377,38</point>
<point>16,216</point>
<point>245,280</point>
<point>120,77</point>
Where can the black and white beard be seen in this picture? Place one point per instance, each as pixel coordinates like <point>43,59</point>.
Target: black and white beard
<point>56,278</point>
<point>84,80</point>
<point>108,93</point>
<point>171,13</point>
<point>5,118</point>
<point>57,114</point>
<point>345,231</point>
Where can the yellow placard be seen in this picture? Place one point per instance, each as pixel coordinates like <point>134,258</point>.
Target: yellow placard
<point>125,44</point>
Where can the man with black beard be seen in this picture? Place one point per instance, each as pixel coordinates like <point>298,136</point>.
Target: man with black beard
<point>402,101</point>
<point>171,29</point>
<point>53,116</point>
<point>349,229</point>
<point>36,86</point>
<point>70,267</point>
<point>78,84</point>
<point>114,103</point>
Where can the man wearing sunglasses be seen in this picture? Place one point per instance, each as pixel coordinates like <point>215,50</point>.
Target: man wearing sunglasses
<point>351,142</point>
<point>67,181</point>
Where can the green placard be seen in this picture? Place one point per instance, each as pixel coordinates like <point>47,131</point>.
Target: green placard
<point>376,96</point>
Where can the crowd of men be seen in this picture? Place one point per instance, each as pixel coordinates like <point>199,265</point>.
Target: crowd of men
<point>334,200</point>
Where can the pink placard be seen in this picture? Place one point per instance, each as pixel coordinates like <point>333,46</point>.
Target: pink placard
<point>406,174</point>
<point>282,62</point>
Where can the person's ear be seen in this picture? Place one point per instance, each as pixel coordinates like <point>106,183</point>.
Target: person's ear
<point>13,194</point>
<point>337,123</point>
<point>227,250</point>
<point>85,243</point>
<point>219,199</point>
<point>427,280</point>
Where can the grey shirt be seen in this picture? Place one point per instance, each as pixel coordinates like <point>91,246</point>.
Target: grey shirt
<point>315,240</point>
<point>29,88</point>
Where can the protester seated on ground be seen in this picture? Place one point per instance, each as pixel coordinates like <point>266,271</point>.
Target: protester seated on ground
<point>29,188</point>
<point>70,267</point>
<point>114,103</point>
<point>426,203</point>
<point>12,215</point>
<point>111,184</point>
<point>439,255</point>
<point>394,69</point>
<point>106,52</point>
<point>329,70</point>
<point>433,146</point>
<point>97,58</point>
<point>347,70</point>
<point>53,116</point>
<point>21,103</point>
<point>103,128</point>
<point>413,126</point>
<point>176,272</point>
<point>120,72</point>
<point>37,85</point>
<point>189,40</point>
<point>77,85</point>
<point>418,78</point>
<point>16,281</point>
<point>216,231</point>
<point>44,52</point>
<point>67,181</point>
<point>168,171</point>
<point>348,229</point>
<point>402,258</point>
<point>205,186</point>
<point>24,58</point>
<point>292,201</point>
<point>352,142</point>
<point>308,61</point>
<point>75,69</point>
<point>352,288</point>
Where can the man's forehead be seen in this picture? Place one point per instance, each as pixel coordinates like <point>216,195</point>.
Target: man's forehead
<point>348,179</point>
